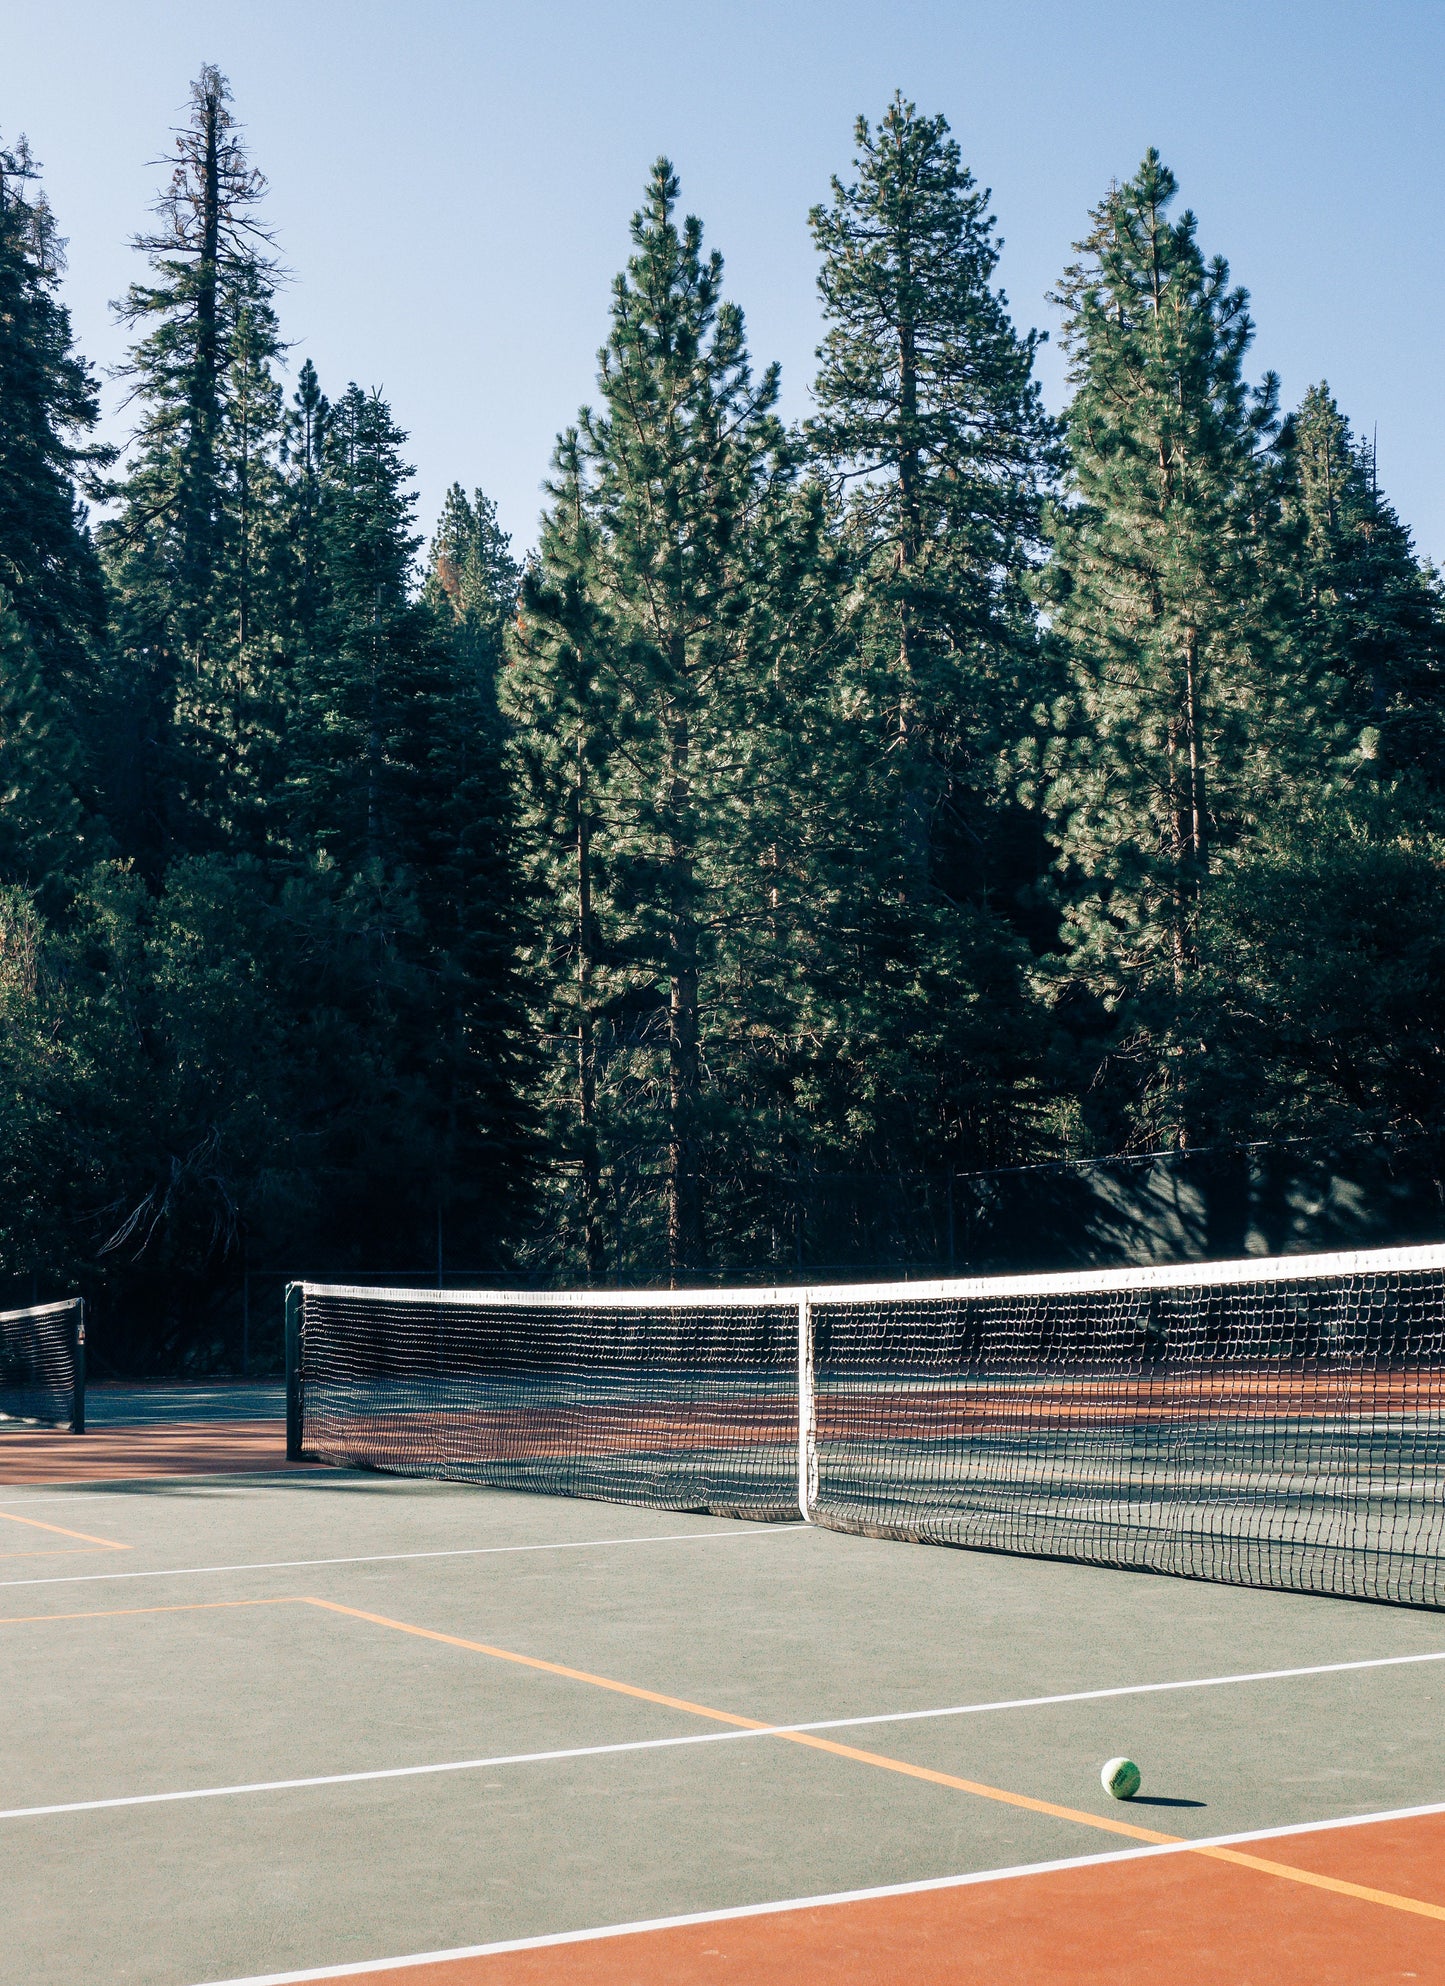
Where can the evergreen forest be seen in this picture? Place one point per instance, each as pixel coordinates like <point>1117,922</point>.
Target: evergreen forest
<point>823,813</point>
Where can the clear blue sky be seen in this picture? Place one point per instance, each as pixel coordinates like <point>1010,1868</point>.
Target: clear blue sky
<point>452,179</point>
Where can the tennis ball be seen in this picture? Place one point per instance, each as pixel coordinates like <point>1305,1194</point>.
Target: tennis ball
<point>1121,1778</point>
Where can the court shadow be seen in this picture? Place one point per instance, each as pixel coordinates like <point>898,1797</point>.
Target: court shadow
<point>1163,1800</point>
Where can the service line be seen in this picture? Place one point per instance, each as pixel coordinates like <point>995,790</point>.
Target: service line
<point>746,1730</point>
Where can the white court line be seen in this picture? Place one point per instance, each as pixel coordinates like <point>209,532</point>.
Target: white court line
<point>355,1778</point>
<point>385,1558</point>
<point>1133,1689</point>
<point>701,1738</point>
<point>922,1888</point>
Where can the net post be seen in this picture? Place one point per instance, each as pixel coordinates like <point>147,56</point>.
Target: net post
<point>807,1412</point>
<point>295,1294</point>
<point>77,1384</point>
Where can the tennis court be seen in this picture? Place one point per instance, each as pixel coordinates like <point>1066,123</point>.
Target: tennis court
<point>507,1719</point>
<point>545,1678</point>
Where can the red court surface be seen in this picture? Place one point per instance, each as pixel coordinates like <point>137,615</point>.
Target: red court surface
<point>1173,1920</point>
<point>181,1448</point>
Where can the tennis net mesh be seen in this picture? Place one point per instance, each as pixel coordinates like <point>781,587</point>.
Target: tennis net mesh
<point>42,1364</point>
<point>1266,1423</point>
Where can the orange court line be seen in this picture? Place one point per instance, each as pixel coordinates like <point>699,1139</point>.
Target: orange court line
<point>1310,1878</point>
<point>56,1551</point>
<point>981,1791</point>
<point>548,1668</point>
<point>1408,1853</point>
<point>114,1613</point>
<point>60,1531</point>
<point>1314,1880</point>
<point>751,1724</point>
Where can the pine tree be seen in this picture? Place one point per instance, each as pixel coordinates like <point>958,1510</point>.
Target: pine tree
<point>931,426</point>
<point>397,791</point>
<point>562,747</point>
<point>1374,620</point>
<point>213,288</point>
<point>367,631</point>
<point>1323,979</point>
<point>51,607</point>
<point>194,600</point>
<point>249,480</point>
<point>462,825</point>
<point>42,821</point>
<point>472,571</point>
<point>635,684</point>
<point>930,416</point>
<point>1164,588</point>
<point>303,455</point>
<point>1323,994</point>
<point>40,1183</point>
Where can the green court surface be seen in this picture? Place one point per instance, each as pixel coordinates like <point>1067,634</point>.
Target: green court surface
<point>165,1638</point>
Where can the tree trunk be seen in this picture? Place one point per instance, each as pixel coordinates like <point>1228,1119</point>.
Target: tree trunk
<point>910,542</point>
<point>593,1240</point>
<point>373,737</point>
<point>205,380</point>
<point>1178,857</point>
<point>1192,815</point>
<point>684,1188</point>
<point>1198,820</point>
<point>243,548</point>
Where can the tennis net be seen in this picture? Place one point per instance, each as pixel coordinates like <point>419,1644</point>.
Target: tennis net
<point>42,1364</point>
<point>1273,1423</point>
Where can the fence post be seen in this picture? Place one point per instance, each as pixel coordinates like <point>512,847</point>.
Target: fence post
<point>295,1296</point>
<point>807,1412</point>
<point>77,1396</point>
